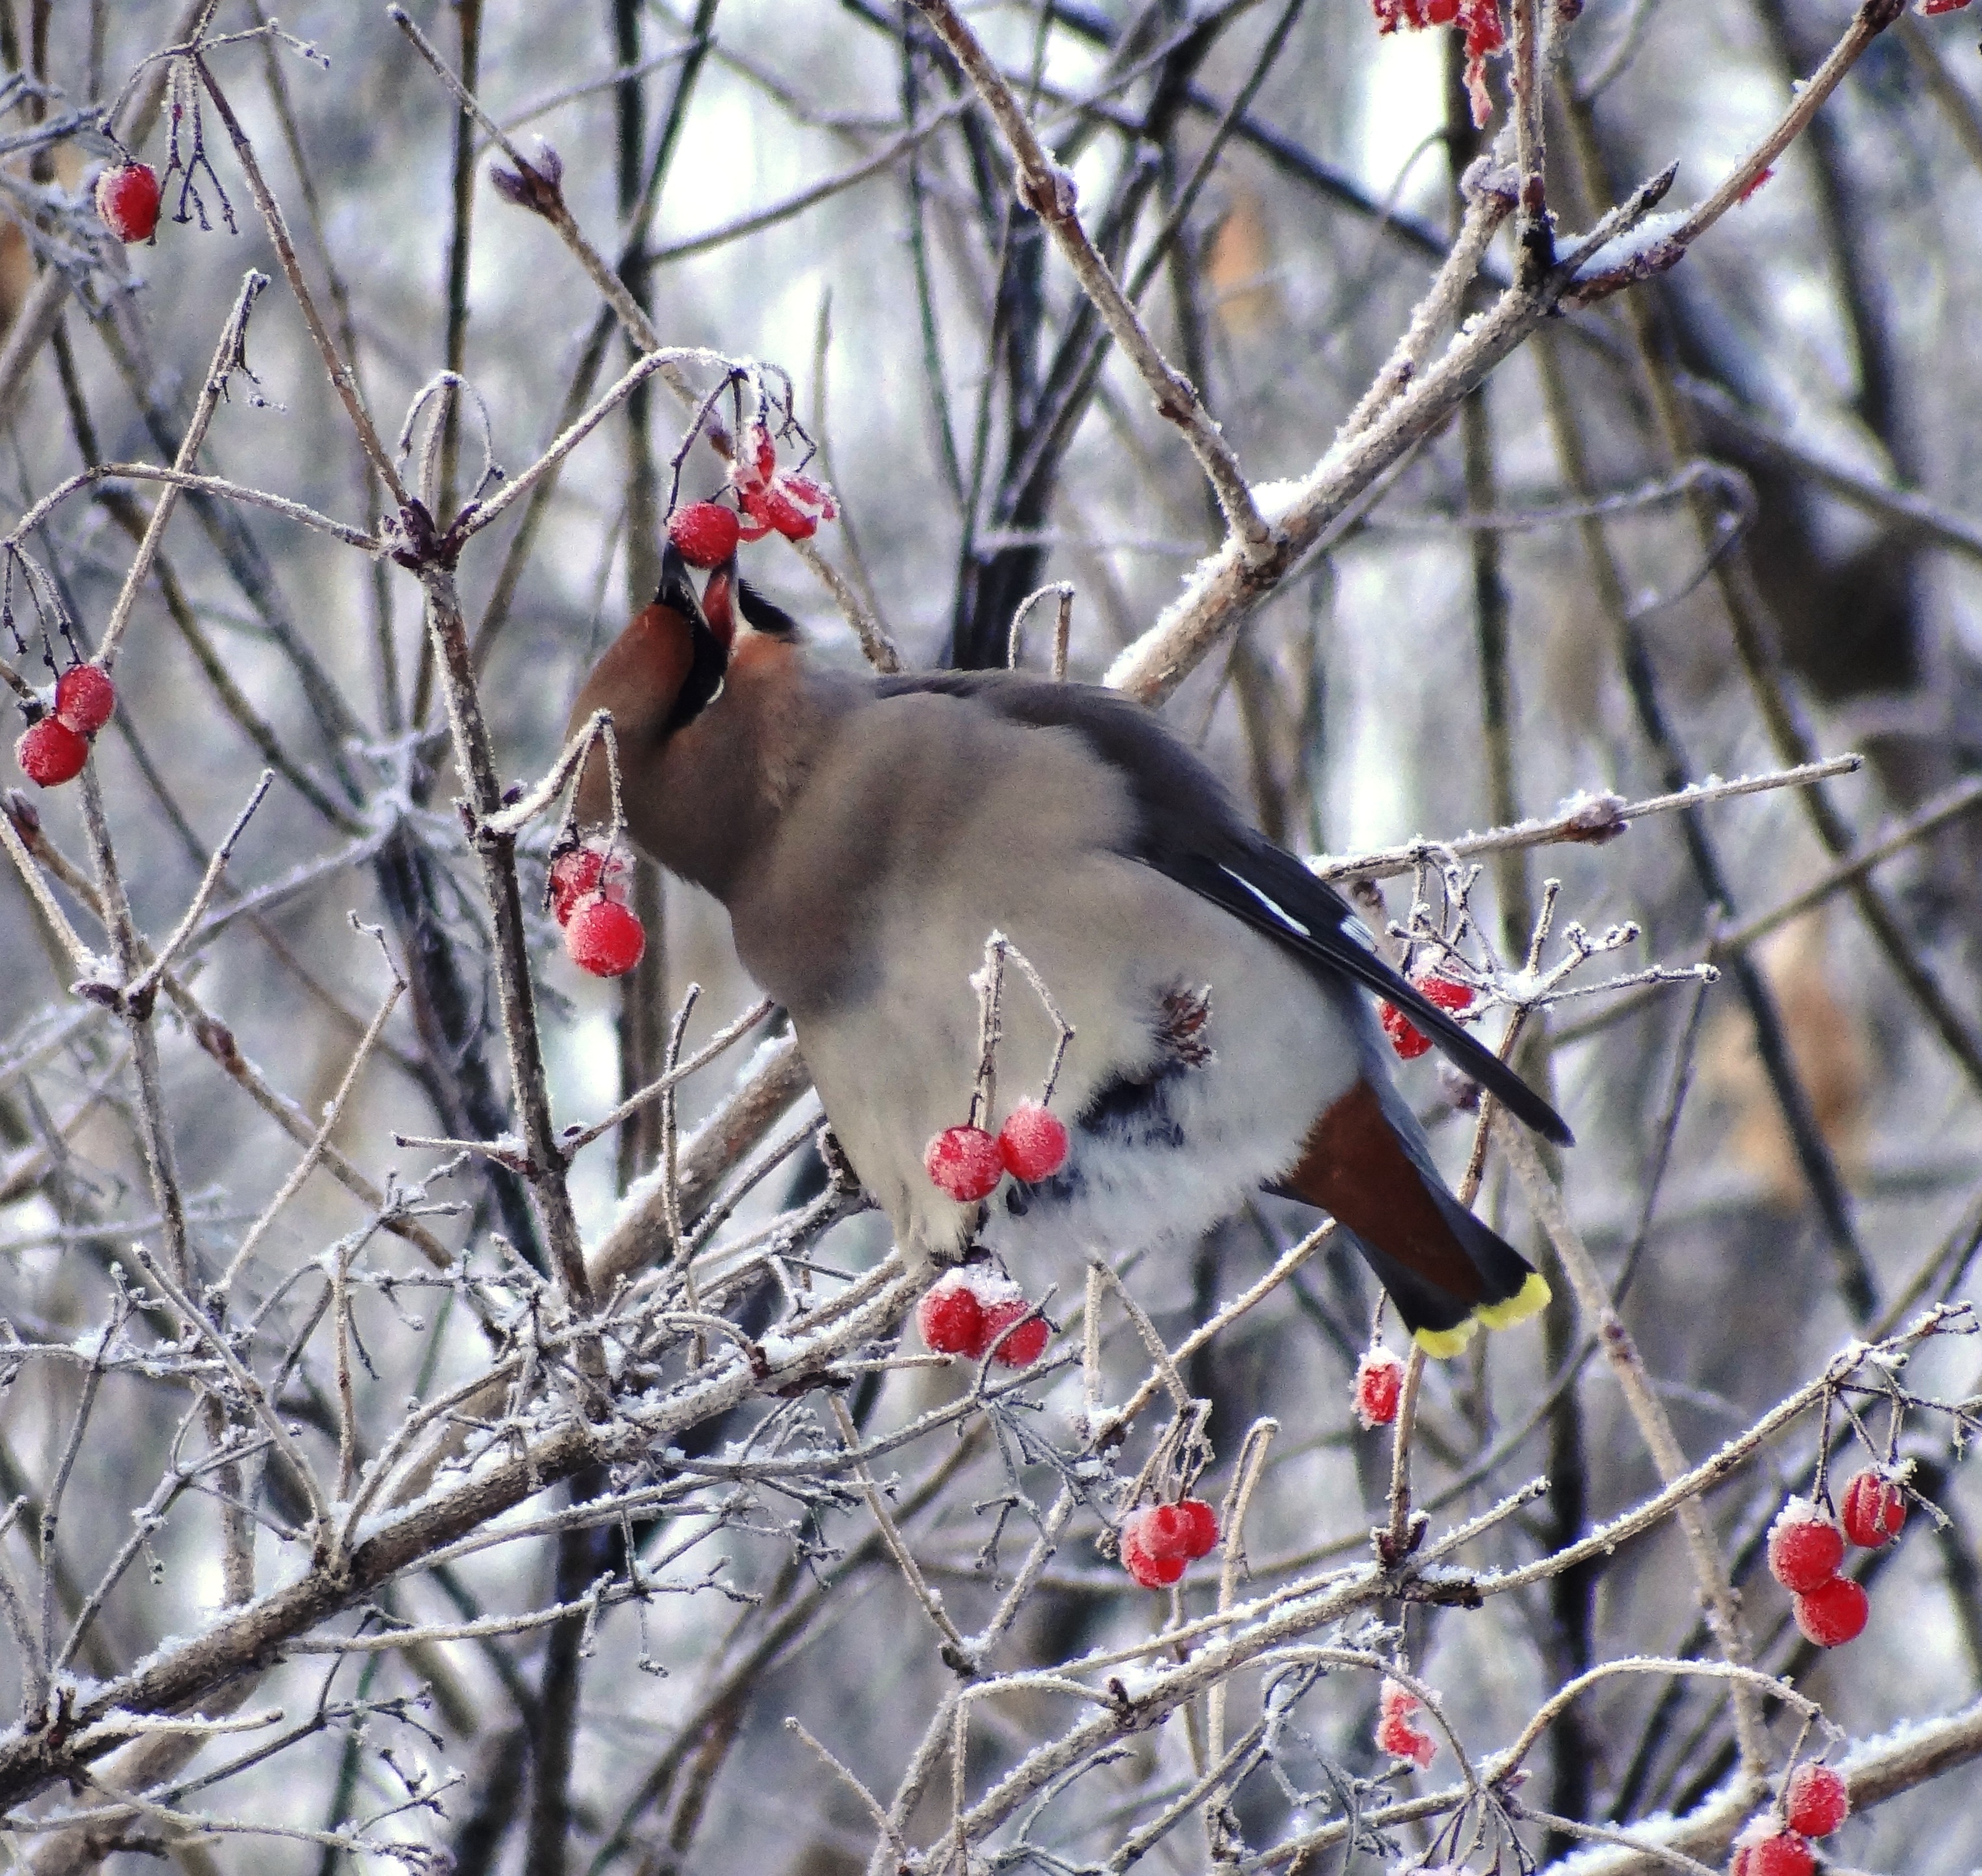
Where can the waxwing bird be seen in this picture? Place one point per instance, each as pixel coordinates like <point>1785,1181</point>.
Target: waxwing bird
<point>867,834</point>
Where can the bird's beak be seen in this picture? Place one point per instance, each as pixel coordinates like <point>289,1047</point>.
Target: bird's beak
<point>676,591</point>
<point>719,602</point>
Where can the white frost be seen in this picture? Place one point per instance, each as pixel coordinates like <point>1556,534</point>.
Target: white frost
<point>1623,252</point>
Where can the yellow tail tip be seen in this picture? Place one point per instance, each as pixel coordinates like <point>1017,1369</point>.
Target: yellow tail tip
<point>1442,1344</point>
<point>1530,1300</point>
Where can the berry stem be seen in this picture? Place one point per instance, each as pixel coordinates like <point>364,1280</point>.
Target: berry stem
<point>990,1027</point>
<point>1394,1543</point>
<point>1065,1030</point>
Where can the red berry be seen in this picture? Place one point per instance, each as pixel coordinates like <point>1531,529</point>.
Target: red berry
<point>1379,1385</point>
<point>1931,7</point>
<point>950,1318</point>
<point>1188,1530</point>
<point>1149,1570</point>
<point>1833,1612</point>
<point>1165,1531</point>
<point>1778,1852</point>
<point>1874,1512</point>
<point>1448,993</point>
<point>763,452</point>
<point>51,753</point>
<point>1033,1142</point>
<point>964,1162</point>
<point>1201,1521</point>
<point>1815,1801</point>
<point>967,1312</point>
<point>1406,1037</point>
<point>1480,20</point>
<point>705,532</point>
<point>1805,1548</point>
<point>772,506</point>
<point>815,496</point>
<point>1398,1732</point>
<point>793,504</point>
<point>1026,1344</point>
<point>127,198</point>
<point>603,936</point>
<point>85,698</point>
<point>578,870</point>
<point>1440,12</point>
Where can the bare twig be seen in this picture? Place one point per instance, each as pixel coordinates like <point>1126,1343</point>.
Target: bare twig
<point>227,357</point>
<point>1047,190</point>
<point>1717,1590</point>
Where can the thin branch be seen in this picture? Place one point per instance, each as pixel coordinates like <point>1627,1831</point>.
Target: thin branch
<point>143,988</point>
<point>251,1389</point>
<point>227,357</point>
<point>956,1650</point>
<point>1232,583</point>
<point>1048,191</point>
<point>724,1039</point>
<point>1648,1411</point>
<point>1808,97</point>
<point>343,381</point>
<point>757,220</point>
<point>313,1153</point>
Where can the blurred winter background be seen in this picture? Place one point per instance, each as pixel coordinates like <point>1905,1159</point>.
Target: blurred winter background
<point>1420,677</point>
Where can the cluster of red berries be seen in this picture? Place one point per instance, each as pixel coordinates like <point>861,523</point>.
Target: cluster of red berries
<point>1379,1386</point>
<point>52,749</point>
<point>1406,1037</point>
<point>967,1163</point>
<point>775,498</point>
<point>127,200</point>
<point>1814,1804</point>
<point>972,1312</point>
<point>1159,1541</point>
<point>588,888</point>
<point>1807,1546</point>
<point>1400,1730</point>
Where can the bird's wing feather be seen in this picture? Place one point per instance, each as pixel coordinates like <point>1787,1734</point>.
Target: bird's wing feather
<point>1193,832</point>
<point>1272,892</point>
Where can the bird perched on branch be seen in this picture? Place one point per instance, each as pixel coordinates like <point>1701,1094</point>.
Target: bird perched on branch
<point>868,834</point>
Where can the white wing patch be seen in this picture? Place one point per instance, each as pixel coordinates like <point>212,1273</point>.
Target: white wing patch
<point>1353,929</point>
<point>1279,911</point>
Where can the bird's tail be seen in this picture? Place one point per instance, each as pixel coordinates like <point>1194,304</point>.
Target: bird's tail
<point>1367,1162</point>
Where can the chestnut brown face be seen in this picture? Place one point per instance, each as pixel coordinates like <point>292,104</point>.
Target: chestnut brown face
<point>659,674</point>
<point>660,679</point>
